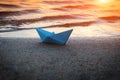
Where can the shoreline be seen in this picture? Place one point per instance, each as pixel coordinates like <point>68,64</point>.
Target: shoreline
<point>91,31</point>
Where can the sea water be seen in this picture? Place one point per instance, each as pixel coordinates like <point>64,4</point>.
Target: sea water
<point>29,14</point>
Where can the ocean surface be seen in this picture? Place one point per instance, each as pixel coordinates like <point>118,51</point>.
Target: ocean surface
<point>29,14</point>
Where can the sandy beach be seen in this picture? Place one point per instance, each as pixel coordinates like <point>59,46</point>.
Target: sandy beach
<point>82,58</point>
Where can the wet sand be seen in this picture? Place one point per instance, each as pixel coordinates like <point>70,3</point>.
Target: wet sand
<point>82,58</point>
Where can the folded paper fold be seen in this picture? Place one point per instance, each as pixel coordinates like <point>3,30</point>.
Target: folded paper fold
<point>51,37</point>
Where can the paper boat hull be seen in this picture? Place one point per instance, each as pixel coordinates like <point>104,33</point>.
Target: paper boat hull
<point>51,37</point>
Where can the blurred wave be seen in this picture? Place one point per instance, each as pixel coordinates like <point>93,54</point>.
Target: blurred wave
<point>111,19</point>
<point>9,6</point>
<point>13,13</point>
<point>63,2</point>
<point>85,6</point>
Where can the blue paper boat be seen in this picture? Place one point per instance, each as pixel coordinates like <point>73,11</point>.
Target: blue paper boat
<point>51,37</point>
